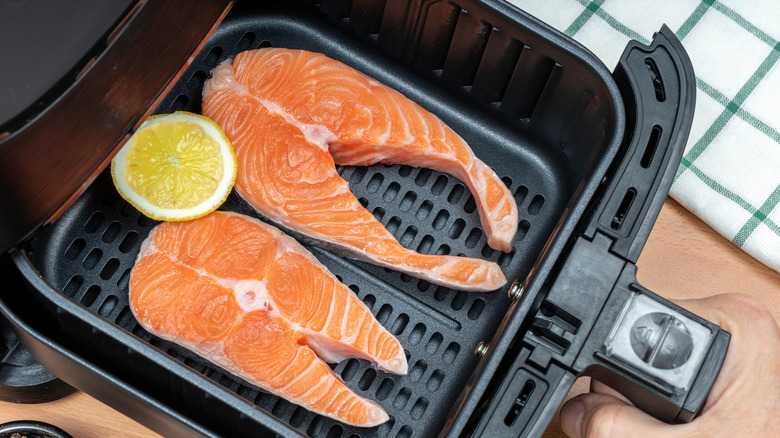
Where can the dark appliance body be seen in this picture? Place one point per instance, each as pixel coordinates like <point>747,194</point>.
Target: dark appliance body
<point>588,155</point>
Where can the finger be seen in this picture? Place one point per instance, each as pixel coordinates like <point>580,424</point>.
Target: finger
<point>753,352</point>
<point>734,312</point>
<point>601,416</point>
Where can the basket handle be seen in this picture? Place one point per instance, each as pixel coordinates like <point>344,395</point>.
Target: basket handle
<point>592,316</point>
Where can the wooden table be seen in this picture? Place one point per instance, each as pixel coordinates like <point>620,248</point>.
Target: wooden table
<point>683,258</point>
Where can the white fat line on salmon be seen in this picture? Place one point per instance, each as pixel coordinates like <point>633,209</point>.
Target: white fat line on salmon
<point>312,364</point>
<point>325,393</point>
<point>396,99</point>
<point>250,294</point>
<point>345,315</point>
<point>373,87</point>
<point>432,275</point>
<point>316,134</point>
<point>288,244</point>
<point>314,388</point>
<point>377,338</point>
<point>365,315</point>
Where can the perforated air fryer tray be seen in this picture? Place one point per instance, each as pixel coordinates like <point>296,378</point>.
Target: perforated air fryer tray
<point>549,144</point>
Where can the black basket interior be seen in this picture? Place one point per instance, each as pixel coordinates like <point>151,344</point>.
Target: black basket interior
<point>525,110</point>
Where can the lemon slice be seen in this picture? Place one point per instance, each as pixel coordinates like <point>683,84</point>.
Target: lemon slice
<point>176,167</point>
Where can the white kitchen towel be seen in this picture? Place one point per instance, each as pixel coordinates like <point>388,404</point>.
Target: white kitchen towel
<point>730,171</point>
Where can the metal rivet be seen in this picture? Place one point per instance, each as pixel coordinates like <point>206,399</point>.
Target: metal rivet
<point>482,348</point>
<point>516,290</point>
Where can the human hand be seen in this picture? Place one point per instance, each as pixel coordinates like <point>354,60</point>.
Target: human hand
<point>744,400</point>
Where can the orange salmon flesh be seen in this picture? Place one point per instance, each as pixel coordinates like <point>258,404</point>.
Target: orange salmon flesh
<point>294,115</point>
<point>247,297</point>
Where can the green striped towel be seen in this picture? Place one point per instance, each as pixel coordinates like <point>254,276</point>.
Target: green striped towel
<point>730,171</point>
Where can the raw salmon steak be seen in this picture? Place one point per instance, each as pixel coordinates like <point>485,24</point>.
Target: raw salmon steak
<point>293,115</point>
<point>251,299</point>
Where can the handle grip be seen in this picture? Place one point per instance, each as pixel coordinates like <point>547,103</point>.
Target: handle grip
<point>597,320</point>
<point>661,357</point>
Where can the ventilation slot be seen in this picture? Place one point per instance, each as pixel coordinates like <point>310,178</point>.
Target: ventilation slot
<point>366,16</point>
<point>451,353</point>
<point>393,27</point>
<point>436,37</point>
<point>655,76</point>
<point>520,402</point>
<point>75,249</point>
<point>108,305</point>
<point>385,388</point>
<point>652,146</point>
<point>468,45</point>
<point>530,79</point>
<point>128,243</point>
<point>350,369</point>
<point>368,378</point>
<point>622,211</point>
<point>536,205</point>
<point>498,62</point>
<point>418,409</point>
<point>336,8</point>
<point>111,232</point>
<point>246,41</point>
<point>92,258</point>
<point>73,286</point>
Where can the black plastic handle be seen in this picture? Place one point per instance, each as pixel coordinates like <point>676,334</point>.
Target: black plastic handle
<point>592,317</point>
<point>659,91</point>
<point>596,320</point>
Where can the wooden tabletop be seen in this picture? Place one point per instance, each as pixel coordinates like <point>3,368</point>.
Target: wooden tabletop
<point>683,258</point>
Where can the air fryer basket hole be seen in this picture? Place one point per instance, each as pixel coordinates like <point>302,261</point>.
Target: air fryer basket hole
<point>109,269</point>
<point>245,42</point>
<point>435,380</point>
<point>108,306</point>
<point>92,259</point>
<point>111,232</point>
<point>418,370</point>
<point>73,285</point>
<point>385,388</point>
<point>75,249</point>
<point>368,378</point>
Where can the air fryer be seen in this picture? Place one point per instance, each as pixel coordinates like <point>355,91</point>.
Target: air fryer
<point>589,156</point>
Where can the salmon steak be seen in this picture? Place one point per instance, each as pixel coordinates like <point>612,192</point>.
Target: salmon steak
<point>251,299</point>
<point>294,115</point>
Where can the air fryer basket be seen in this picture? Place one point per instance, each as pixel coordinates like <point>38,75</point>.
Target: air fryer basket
<point>539,109</point>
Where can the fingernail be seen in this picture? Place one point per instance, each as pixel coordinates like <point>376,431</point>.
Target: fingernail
<point>571,418</point>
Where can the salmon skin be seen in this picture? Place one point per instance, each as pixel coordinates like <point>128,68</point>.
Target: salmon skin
<point>293,115</point>
<point>249,298</point>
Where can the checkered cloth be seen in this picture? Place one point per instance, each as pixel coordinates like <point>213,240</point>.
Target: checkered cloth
<point>730,171</point>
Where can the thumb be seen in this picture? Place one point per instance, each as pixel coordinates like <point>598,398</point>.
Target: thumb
<point>595,415</point>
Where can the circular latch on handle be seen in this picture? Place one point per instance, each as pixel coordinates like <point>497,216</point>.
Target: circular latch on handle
<point>661,340</point>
